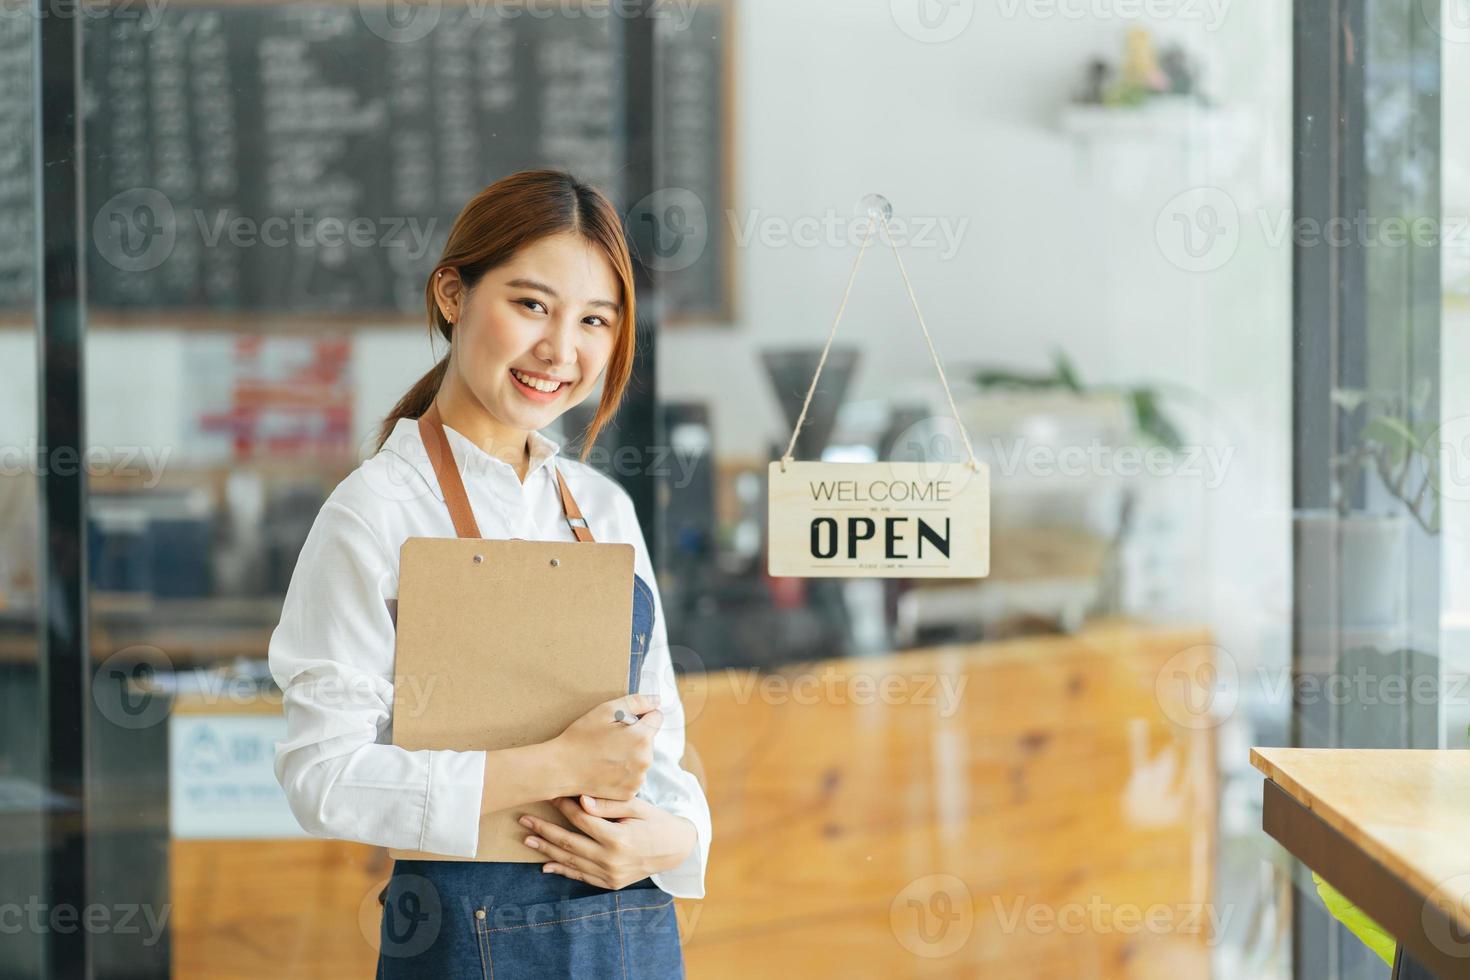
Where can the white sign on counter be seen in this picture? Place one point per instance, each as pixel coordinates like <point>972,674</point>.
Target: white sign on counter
<point>879,520</point>
<point>222,780</point>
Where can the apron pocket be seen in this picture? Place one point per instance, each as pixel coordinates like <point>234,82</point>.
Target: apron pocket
<point>651,935</point>
<point>630,934</point>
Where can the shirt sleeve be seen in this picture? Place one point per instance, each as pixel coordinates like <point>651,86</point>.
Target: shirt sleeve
<point>332,657</point>
<point>667,784</point>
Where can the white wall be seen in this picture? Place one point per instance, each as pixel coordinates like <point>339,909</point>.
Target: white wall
<point>1061,249</point>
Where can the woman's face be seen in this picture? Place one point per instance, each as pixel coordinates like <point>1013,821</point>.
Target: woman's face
<point>546,318</point>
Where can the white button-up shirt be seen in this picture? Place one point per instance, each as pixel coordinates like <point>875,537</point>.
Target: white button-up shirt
<point>332,654</point>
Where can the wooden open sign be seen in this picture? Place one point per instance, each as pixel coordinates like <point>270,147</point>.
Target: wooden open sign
<point>879,520</point>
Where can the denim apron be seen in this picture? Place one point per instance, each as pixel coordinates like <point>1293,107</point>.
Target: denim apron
<point>493,920</point>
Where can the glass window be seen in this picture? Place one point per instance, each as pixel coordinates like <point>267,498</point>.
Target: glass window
<point>1224,454</point>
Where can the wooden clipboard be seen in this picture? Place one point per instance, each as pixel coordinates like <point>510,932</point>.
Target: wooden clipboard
<point>503,643</point>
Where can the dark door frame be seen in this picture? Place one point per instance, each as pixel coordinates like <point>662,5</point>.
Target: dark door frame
<point>1365,315</point>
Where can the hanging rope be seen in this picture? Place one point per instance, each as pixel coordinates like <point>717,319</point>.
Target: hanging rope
<point>873,215</point>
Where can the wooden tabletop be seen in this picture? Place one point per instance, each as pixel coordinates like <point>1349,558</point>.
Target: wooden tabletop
<point>1407,810</point>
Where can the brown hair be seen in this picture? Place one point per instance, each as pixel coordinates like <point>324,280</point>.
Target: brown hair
<point>511,213</point>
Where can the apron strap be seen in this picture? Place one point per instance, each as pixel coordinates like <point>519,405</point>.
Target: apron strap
<point>574,513</point>
<point>431,431</point>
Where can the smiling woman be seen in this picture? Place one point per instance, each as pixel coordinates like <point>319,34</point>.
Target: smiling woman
<point>534,294</point>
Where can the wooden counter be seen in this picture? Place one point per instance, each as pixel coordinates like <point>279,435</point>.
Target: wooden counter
<point>1388,829</point>
<point>867,824</point>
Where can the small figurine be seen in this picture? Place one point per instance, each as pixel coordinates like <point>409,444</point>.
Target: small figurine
<point>1095,85</point>
<point>1140,63</point>
<point>1176,67</point>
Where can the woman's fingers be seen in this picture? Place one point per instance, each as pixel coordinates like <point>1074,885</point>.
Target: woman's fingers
<point>575,875</point>
<point>595,826</point>
<point>611,809</point>
<point>569,842</point>
<point>635,704</point>
<point>586,870</point>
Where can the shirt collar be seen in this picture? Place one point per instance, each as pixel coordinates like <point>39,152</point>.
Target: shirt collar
<point>474,463</point>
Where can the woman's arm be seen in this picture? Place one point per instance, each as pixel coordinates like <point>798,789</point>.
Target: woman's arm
<point>332,657</point>
<point>596,754</point>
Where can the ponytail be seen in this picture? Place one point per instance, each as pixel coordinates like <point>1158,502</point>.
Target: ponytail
<point>416,401</point>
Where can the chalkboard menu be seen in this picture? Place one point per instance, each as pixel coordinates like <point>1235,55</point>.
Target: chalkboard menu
<point>17,209</point>
<point>303,157</point>
<point>310,157</point>
<point>692,256</point>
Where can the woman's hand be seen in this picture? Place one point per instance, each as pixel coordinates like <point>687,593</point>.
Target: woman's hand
<point>605,757</point>
<point>620,841</point>
<point>595,754</point>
